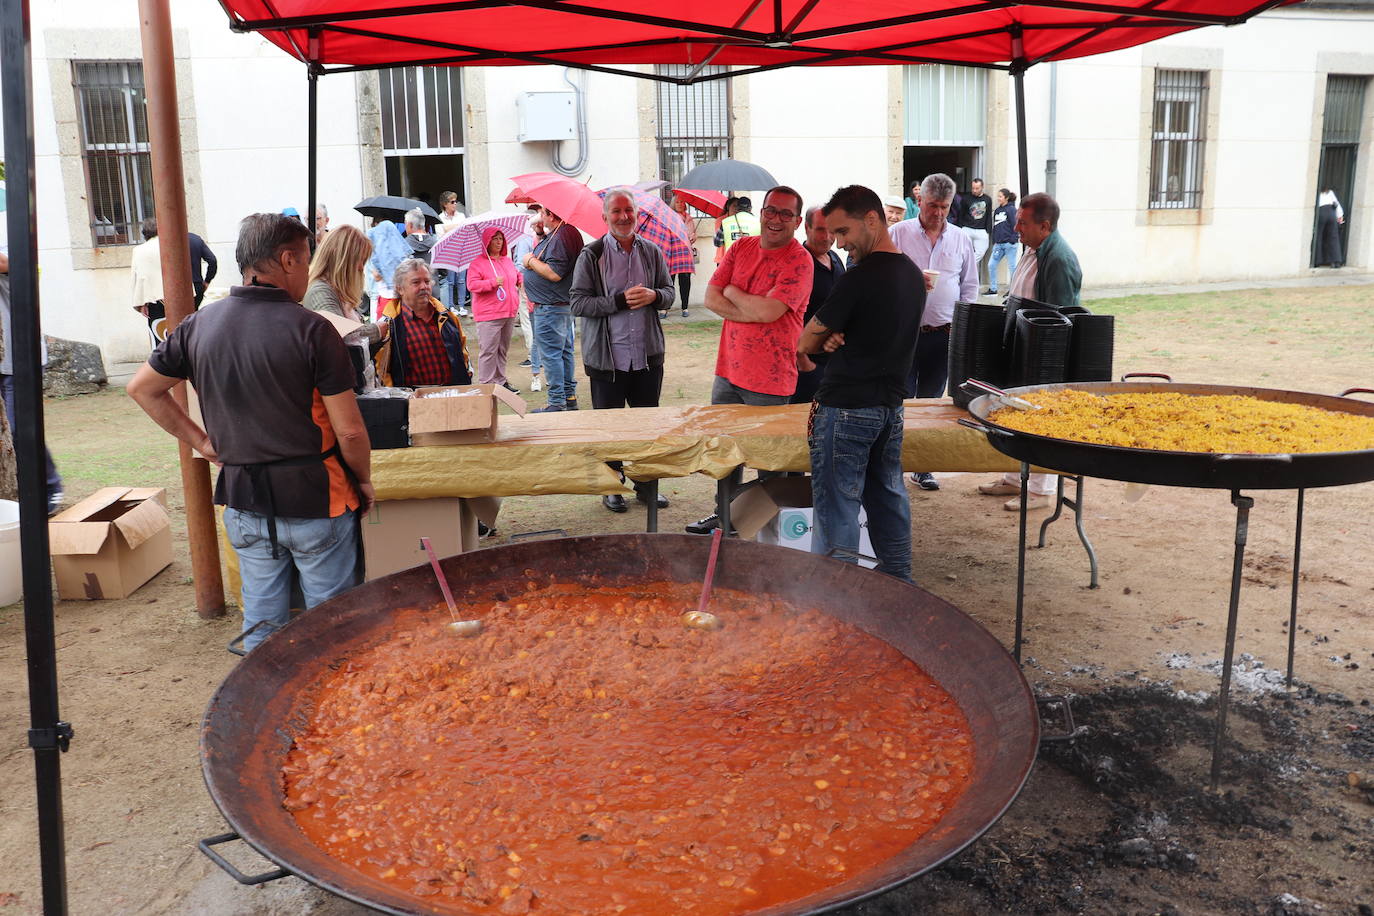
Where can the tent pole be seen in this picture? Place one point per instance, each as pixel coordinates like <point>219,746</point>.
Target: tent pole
<point>1019,66</point>
<point>48,736</point>
<point>169,192</point>
<point>312,135</point>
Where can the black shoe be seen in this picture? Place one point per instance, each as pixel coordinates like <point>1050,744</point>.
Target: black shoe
<point>525,364</point>
<point>643,496</point>
<point>483,531</point>
<point>509,387</point>
<point>925,480</point>
<point>615,502</point>
<point>989,292</point>
<point>551,408</point>
<point>571,404</point>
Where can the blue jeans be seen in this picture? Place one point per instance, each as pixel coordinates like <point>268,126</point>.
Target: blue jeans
<point>856,459</point>
<point>443,286</point>
<point>554,334</point>
<point>1002,250</point>
<point>324,551</point>
<point>54,479</point>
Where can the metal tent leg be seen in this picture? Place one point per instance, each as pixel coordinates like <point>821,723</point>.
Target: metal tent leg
<point>1297,573</point>
<point>1243,506</point>
<point>1021,564</point>
<point>1076,504</point>
<point>651,491</point>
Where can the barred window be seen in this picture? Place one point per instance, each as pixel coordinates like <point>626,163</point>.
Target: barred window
<point>1177,139</point>
<point>693,122</point>
<point>422,110</point>
<point>114,148</point>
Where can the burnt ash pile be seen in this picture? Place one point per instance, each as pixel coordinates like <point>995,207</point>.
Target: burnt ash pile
<point>1120,819</point>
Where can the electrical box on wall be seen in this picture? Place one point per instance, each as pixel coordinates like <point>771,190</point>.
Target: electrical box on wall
<point>546,116</point>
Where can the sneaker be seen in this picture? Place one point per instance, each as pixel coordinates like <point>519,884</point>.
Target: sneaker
<point>55,502</point>
<point>998,488</point>
<point>509,387</point>
<point>662,314</point>
<point>685,313</point>
<point>572,404</point>
<point>525,364</point>
<point>707,525</point>
<point>925,480</point>
<point>463,313</point>
<point>989,292</point>
<point>550,408</point>
<point>1033,501</point>
<point>537,384</point>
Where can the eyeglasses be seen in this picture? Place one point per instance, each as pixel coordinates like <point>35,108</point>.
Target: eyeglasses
<point>775,213</point>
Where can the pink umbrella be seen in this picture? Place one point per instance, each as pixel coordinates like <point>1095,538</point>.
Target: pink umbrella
<point>573,201</point>
<point>460,246</point>
<point>711,203</point>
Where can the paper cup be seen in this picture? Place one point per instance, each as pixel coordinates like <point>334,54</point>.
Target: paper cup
<point>932,278</point>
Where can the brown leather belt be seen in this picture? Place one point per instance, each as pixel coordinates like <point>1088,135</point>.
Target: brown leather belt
<point>932,328</point>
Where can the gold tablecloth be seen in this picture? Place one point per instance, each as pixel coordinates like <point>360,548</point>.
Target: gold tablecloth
<point>567,452</point>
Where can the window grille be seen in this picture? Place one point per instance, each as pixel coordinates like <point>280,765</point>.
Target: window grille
<point>693,122</point>
<point>944,105</point>
<point>114,148</point>
<point>422,110</point>
<point>1176,143</point>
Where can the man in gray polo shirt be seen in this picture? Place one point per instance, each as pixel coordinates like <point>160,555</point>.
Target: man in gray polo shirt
<point>620,284</point>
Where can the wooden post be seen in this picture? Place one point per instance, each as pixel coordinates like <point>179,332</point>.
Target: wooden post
<point>169,192</point>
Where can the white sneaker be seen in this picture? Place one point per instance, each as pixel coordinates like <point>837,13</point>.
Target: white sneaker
<point>537,384</point>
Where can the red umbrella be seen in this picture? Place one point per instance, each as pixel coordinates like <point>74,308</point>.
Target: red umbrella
<point>711,203</point>
<point>515,197</point>
<point>572,200</point>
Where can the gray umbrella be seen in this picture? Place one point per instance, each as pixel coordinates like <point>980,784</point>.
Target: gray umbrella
<point>387,206</point>
<point>728,175</point>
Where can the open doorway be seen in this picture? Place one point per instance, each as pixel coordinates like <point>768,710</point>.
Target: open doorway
<point>1341,122</point>
<point>958,162</point>
<point>426,177</point>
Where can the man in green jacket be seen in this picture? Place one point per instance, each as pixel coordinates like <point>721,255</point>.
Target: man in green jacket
<point>1048,272</point>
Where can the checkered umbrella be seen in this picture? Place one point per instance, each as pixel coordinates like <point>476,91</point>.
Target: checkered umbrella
<point>660,224</point>
<point>460,246</point>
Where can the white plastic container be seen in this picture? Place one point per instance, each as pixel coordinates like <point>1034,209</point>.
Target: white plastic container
<point>11,577</point>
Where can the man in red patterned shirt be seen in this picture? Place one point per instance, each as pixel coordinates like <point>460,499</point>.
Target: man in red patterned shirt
<point>761,289</point>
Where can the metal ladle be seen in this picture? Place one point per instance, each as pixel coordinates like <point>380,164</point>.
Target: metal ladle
<point>457,626</point>
<point>702,619</point>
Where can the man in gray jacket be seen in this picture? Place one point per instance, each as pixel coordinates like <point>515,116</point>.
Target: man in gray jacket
<point>620,284</point>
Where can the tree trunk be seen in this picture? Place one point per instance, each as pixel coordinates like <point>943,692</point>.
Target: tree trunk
<point>9,481</point>
<point>9,470</point>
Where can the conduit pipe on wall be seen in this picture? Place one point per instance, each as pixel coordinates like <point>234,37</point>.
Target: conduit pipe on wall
<point>583,150</point>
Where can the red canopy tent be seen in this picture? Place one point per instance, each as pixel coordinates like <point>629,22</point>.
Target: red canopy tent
<point>342,36</point>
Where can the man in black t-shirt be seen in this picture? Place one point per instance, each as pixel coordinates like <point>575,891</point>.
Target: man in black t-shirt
<point>869,326</point>
<point>275,385</point>
<point>827,268</point>
<point>975,219</point>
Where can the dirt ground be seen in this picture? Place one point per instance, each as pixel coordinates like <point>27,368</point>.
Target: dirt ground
<point>1117,820</point>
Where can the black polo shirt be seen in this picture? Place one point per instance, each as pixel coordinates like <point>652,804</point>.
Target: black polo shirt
<point>260,364</point>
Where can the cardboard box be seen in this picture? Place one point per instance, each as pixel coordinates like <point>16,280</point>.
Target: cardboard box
<point>462,420</point>
<point>110,543</point>
<point>779,511</point>
<point>392,530</point>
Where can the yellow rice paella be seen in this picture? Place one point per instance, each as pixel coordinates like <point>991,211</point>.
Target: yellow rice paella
<point>1224,424</point>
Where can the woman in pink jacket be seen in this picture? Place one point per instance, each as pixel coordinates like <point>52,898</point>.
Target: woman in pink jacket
<point>495,286</point>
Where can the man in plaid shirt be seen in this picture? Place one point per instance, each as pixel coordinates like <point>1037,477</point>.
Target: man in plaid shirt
<point>425,344</point>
